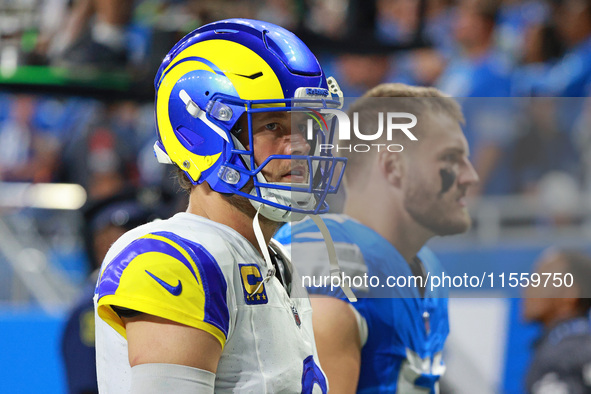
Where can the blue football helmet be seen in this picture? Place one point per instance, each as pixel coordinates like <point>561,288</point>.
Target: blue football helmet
<point>236,68</point>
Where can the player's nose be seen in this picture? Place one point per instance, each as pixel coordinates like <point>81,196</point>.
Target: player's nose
<point>297,144</point>
<point>468,176</point>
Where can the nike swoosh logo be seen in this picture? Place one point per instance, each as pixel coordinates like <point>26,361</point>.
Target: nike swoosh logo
<point>253,76</point>
<point>174,290</point>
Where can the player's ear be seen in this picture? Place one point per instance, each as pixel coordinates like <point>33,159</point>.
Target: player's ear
<point>391,167</point>
<point>570,304</point>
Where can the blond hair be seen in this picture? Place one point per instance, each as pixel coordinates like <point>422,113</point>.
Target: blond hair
<point>393,97</point>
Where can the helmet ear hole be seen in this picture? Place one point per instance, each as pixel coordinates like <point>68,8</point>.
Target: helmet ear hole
<point>189,142</point>
<point>207,93</point>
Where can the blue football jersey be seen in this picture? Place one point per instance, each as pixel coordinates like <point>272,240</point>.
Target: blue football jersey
<point>406,331</point>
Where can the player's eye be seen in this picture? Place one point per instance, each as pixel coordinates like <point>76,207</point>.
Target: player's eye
<point>273,126</point>
<point>450,157</point>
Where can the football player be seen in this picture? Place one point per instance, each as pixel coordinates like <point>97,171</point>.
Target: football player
<point>561,360</point>
<point>203,301</point>
<point>391,339</point>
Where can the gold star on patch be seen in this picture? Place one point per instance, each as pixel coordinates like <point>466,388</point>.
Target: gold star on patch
<point>258,297</point>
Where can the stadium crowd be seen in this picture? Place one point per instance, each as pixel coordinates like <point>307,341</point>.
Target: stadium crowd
<point>467,48</point>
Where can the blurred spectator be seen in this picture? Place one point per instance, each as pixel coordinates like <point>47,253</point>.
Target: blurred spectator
<point>438,30</point>
<point>363,62</point>
<point>481,71</point>
<point>439,26</point>
<point>95,34</point>
<point>399,22</point>
<point>515,17</point>
<point>329,17</point>
<point>105,220</point>
<point>27,153</point>
<point>542,48</point>
<point>541,44</point>
<point>100,155</point>
<point>571,76</point>
<point>424,66</point>
<point>358,72</point>
<point>546,151</point>
<point>562,359</point>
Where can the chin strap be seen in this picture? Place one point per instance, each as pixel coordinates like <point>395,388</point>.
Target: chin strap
<point>258,233</point>
<point>335,269</point>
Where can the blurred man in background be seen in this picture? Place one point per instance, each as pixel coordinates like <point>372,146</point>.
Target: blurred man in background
<point>391,339</point>
<point>571,76</point>
<point>105,221</point>
<point>480,70</point>
<point>562,358</point>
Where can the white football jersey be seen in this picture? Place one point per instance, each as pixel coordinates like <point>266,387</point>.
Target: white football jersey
<point>206,275</point>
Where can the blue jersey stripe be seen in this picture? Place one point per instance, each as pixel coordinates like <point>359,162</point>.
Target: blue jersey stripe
<point>213,281</point>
